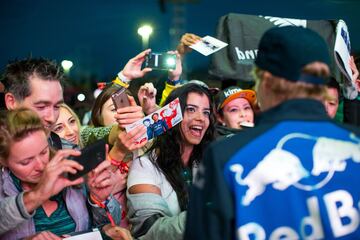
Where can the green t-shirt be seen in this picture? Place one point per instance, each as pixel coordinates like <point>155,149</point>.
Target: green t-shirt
<point>59,222</point>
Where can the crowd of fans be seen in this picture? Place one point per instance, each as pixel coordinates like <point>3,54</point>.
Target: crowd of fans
<point>218,174</point>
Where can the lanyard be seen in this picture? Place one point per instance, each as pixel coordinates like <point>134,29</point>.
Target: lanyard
<point>103,206</point>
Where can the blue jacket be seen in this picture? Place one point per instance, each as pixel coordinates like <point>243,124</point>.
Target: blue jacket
<point>159,127</point>
<point>295,176</point>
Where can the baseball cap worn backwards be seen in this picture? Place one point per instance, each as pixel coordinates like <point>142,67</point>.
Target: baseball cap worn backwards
<point>284,51</point>
<point>227,95</point>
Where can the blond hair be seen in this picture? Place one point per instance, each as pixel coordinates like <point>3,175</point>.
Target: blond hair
<point>15,125</point>
<point>77,120</point>
<point>283,89</point>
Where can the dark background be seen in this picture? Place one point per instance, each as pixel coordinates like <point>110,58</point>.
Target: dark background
<point>100,36</point>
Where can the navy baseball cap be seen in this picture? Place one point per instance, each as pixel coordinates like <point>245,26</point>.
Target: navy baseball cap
<point>284,51</point>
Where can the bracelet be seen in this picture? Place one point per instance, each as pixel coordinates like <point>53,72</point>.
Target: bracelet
<point>122,166</point>
<point>176,82</point>
<point>122,77</point>
<point>121,83</point>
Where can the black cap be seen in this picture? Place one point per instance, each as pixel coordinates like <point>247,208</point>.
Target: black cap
<point>284,51</point>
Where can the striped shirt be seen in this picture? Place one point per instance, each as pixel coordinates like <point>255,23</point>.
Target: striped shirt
<point>59,222</point>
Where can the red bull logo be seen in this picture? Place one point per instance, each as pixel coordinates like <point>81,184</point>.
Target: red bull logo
<point>327,156</point>
<point>342,215</point>
<point>281,169</point>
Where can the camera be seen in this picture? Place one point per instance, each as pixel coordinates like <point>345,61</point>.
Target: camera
<point>160,61</point>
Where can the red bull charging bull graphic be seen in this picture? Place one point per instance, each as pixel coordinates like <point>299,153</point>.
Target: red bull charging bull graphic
<point>286,170</point>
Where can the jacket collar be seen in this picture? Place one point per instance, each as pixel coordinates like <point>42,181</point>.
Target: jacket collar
<point>9,187</point>
<point>295,109</point>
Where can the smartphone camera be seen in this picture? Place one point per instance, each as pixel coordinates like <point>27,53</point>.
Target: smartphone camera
<point>91,156</point>
<point>120,98</point>
<point>161,61</point>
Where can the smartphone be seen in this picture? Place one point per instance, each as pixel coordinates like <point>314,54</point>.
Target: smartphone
<point>160,61</point>
<point>91,156</point>
<point>120,98</point>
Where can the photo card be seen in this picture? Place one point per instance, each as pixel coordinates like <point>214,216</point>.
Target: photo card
<point>160,121</point>
<point>208,45</point>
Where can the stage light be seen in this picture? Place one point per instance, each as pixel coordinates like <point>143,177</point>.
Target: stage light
<point>66,65</point>
<point>145,31</point>
<point>81,97</point>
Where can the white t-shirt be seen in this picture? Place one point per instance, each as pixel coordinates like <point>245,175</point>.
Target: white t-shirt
<point>143,171</point>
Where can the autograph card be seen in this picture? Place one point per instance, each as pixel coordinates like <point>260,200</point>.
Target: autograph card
<point>160,121</point>
<point>208,45</point>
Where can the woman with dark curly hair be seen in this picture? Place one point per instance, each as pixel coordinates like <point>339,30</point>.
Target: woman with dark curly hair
<point>158,182</point>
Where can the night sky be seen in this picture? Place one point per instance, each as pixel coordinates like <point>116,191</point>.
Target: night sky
<point>100,36</point>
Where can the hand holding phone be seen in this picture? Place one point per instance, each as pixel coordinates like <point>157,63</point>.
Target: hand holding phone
<point>160,61</point>
<point>91,156</point>
<point>120,98</point>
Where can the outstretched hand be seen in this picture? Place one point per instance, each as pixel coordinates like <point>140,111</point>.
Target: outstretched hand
<point>147,98</point>
<point>128,141</point>
<point>133,69</point>
<point>187,40</point>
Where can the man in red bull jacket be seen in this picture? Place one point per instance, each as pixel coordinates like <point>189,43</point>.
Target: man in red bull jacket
<point>293,176</point>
